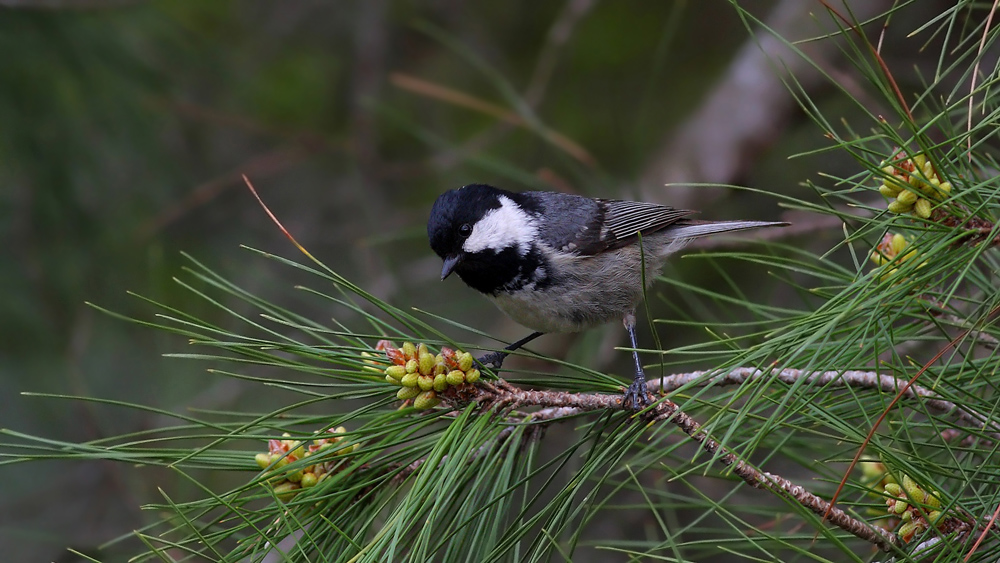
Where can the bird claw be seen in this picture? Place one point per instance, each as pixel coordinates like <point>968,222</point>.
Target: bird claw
<point>492,361</point>
<point>637,395</point>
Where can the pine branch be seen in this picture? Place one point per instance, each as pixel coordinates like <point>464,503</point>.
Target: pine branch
<point>502,395</point>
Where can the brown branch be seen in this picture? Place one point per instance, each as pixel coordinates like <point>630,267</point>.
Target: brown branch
<point>850,378</point>
<point>501,395</point>
<point>558,406</point>
<point>975,230</point>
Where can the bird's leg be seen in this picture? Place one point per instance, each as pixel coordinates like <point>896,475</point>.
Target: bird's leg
<point>495,359</point>
<point>637,395</point>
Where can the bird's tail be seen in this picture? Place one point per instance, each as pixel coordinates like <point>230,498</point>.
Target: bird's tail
<point>694,229</point>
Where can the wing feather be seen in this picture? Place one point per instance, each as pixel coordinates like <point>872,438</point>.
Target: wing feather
<point>590,226</point>
<point>624,220</point>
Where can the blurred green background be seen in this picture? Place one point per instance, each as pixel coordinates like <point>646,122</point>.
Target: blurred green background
<point>125,127</point>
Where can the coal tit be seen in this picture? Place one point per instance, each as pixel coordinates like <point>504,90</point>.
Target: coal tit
<point>557,262</point>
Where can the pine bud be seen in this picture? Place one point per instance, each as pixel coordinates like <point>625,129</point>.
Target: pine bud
<point>908,530</point>
<point>455,377</point>
<point>309,480</point>
<point>263,460</point>
<point>472,376</point>
<point>426,364</point>
<point>407,393</point>
<point>888,191</point>
<point>425,382</point>
<point>440,382</point>
<point>285,491</point>
<point>899,208</point>
<point>465,361</point>
<point>426,400</point>
<point>395,372</point>
<point>409,350</point>
<point>922,208</point>
<point>907,197</point>
<point>294,476</point>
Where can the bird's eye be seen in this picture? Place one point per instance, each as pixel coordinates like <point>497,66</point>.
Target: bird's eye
<point>465,230</point>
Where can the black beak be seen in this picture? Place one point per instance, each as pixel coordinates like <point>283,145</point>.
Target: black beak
<point>449,265</point>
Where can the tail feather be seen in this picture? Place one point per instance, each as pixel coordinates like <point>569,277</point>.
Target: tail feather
<point>696,229</point>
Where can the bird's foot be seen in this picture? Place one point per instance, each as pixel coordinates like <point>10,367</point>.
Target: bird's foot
<point>492,361</point>
<point>637,395</point>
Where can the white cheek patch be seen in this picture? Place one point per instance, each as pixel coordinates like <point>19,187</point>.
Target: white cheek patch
<point>505,227</point>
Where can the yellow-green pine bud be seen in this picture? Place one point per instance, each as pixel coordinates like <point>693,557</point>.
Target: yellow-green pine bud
<point>425,382</point>
<point>263,460</point>
<point>922,208</point>
<point>410,380</point>
<point>907,531</point>
<point>409,350</point>
<point>933,516</point>
<point>900,208</point>
<point>898,243</point>
<point>933,500</point>
<point>888,191</point>
<point>945,187</point>
<point>395,372</point>
<point>421,350</point>
<point>294,476</point>
<point>440,382</point>
<point>309,480</point>
<point>872,469</point>
<point>455,377</point>
<point>907,197</point>
<point>465,361</point>
<point>889,170</point>
<point>426,364</point>
<point>426,400</point>
<point>472,376</point>
<point>407,393</point>
<point>412,366</point>
<point>392,380</point>
<point>912,488</point>
<point>900,507</point>
<point>285,491</point>
<point>893,489</point>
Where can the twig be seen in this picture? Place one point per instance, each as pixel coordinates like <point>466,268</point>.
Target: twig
<point>850,378</point>
<point>502,395</point>
<point>976,230</point>
<point>981,337</point>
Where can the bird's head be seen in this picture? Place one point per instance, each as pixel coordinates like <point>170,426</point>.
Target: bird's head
<point>478,228</point>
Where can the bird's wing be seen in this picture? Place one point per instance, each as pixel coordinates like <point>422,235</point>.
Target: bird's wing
<point>625,220</point>
<point>588,226</point>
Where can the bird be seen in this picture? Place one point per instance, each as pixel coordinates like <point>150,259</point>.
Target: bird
<point>557,262</point>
